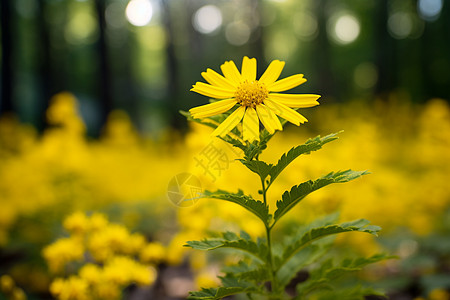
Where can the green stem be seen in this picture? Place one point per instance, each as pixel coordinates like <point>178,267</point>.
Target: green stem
<point>274,284</point>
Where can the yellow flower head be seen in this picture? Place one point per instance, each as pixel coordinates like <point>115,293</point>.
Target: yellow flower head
<point>62,252</point>
<point>258,99</point>
<point>76,223</point>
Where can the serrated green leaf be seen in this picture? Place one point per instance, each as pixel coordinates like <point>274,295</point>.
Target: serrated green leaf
<point>310,145</point>
<point>300,260</point>
<point>263,169</point>
<point>251,273</point>
<point>257,166</point>
<point>298,192</point>
<point>258,208</point>
<point>232,240</point>
<point>215,293</point>
<point>320,232</point>
<point>328,272</point>
<point>231,286</point>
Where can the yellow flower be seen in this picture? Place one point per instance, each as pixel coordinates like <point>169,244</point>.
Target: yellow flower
<point>73,288</point>
<point>62,252</point>
<point>6,284</point>
<point>153,252</point>
<point>258,99</point>
<point>76,223</point>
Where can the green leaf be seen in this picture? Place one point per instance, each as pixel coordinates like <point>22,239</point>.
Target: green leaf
<point>327,273</point>
<point>259,167</point>
<point>310,145</point>
<point>263,169</point>
<point>258,208</point>
<point>307,255</point>
<point>251,150</point>
<point>251,273</point>
<point>231,286</point>
<point>297,193</point>
<point>324,231</point>
<point>216,293</point>
<point>232,240</point>
<point>301,259</point>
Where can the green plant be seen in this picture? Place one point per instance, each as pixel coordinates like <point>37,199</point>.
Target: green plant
<point>269,267</point>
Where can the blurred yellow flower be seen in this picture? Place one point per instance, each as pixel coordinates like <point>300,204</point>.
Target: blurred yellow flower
<point>123,270</point>
<point>91,273</point>
<point>62,252</point>
<point>258,99</point>
<point>439,294</point>
<point>153,252</point>
<point>73,288</point>
<point>76,223</point>
<point>110,240</point>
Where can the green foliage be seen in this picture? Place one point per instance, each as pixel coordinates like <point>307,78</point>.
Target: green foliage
<point>321,278</point>
<point>258,208</point>
<point>298,192</point>
<point>268,269</point>
<point>357,292</point>
<point>232,240</point>
<point>299,241</point>
<point>263,169</point>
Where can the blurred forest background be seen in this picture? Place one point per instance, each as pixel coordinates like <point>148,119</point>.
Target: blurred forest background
<point>143,55</point>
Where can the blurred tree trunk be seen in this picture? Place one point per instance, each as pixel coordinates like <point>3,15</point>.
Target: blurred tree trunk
<point>46,72</point>
<point>104,84</point>
<point>322,50</point>
<point>258,45</point>
<point>384,52</point>
<point>6,102</point>
<point>172,69</point>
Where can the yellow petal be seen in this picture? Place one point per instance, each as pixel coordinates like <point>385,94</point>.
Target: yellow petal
<point>216,79</point>
<point>295,100</point>
<point>212,109</point>
<point>212,91</point>
<point>286,83</point>
<point>272,72</point>
<point>250,125</point>
<point>268,118</point>
<point>230,122</point>
<point>249,68</point>
<point>231,72</point>
<point>285,112</point>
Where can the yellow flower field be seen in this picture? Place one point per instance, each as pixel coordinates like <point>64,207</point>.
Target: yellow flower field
<point>124,175</point>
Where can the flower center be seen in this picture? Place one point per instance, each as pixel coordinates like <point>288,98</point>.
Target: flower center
<point>251,94</point>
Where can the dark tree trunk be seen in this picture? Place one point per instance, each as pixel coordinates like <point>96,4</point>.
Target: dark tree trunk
<point>384,52</point>
<point>322,50</point>
<point>46,73</point>
<point>104,84</point>
<point>258,44</point>
<point>172,69</point>
<point>6,102</point>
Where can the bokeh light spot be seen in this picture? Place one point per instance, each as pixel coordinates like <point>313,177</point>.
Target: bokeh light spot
<point>429,10</point>
<point>237,33</point>
<point>400,25</point>
<point>81,29</point>
<point>207,19</point>
<point>114,15</point>
<point>139,12</point>
<point>305,25</point>
<point>346,29</point>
